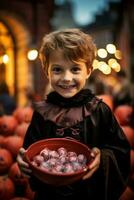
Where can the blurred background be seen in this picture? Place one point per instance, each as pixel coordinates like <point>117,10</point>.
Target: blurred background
<point>24,22</point>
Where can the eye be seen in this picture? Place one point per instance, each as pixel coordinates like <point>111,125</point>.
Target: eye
<point>75,69</point>
<point>56,69</point>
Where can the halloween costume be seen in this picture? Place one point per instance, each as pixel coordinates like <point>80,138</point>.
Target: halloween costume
<point>89,120</point>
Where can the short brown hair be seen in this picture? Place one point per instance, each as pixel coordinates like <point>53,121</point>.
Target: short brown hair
<point>77,46</point>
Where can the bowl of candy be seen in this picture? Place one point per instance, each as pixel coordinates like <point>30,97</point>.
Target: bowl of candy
<point>58,161</point>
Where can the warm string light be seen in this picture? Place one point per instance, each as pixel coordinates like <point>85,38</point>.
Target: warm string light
<point>4,58</point>
<point>32,54</point>
<point>107,59</point>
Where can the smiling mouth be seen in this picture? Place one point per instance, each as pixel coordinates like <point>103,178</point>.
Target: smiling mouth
<point>67,86</point>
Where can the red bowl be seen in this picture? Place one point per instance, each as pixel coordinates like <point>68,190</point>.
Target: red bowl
<point>53,144</point>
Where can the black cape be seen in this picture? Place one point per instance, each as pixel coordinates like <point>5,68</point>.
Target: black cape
<point>89,120</point>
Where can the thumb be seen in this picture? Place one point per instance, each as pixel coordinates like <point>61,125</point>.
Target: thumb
<point>94,152</point>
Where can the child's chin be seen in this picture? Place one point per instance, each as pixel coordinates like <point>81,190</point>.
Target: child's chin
<point>67,95</point>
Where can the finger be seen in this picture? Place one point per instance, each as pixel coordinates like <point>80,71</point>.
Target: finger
<point>25,170</point>
<point>22,151</point>
<point>89,174</point>
<point>94,152</point>
<point>93,165</point>
<point>21,162</point>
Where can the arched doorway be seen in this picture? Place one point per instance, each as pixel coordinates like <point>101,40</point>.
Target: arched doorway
<point>6,58</point>
<point>15,39</point>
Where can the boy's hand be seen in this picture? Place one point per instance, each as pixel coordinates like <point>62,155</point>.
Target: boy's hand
<point>23,165</point>
<point>95,154</point>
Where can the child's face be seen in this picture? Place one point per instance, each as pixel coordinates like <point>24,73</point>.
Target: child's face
<point>66,77</point>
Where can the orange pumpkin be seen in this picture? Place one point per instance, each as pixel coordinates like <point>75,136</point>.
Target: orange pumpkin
<point>131,181</point>
<point>108,99</point>
<point>124,114</point>
<point>21,129</point>
<point>23,114</point>
<point>16,176</point>
<point>29,193</point>
<point>6,160</point>
<point>19,198</point>
<point>132,160</point>
<point>13,143</point>
<point>1,140</point>
<point>7,125</point>
<point>131,177</point>
<point>129,132</point>
<point>128,194</point>
<point>7,188</point>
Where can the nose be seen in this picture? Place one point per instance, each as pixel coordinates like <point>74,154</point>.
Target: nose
<point>67,76</point>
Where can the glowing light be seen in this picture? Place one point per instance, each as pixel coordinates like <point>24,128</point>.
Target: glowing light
<point>5,58</point>
<point>32,54</point>
<point>111,62</point>
<point>117,67</point>
<point>95,64</point>
<point>107,70</point>
<point>104,67</point>
<point>101,65</point>
<point>111,48</point>
<point>102,53</point>
<point>118,54</point>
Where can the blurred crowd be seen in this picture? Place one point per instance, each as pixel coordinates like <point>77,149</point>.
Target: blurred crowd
<point>121,91</point>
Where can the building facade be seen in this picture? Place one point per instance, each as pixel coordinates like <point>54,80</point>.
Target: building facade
<point>22,25</point>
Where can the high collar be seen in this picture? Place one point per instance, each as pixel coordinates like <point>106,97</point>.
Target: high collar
<point>78,100</point>
<point>67,112</point>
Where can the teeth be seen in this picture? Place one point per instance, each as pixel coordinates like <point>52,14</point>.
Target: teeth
<point>66,86</point>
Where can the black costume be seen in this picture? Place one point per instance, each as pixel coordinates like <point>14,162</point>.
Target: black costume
<point>89,120</point>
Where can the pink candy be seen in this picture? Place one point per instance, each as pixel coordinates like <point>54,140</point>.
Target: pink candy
<point>60,161</point>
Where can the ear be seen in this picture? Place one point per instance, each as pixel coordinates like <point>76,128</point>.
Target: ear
<point>89,70</point>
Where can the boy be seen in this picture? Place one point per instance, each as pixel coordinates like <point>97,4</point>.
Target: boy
<point>73,111</point>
